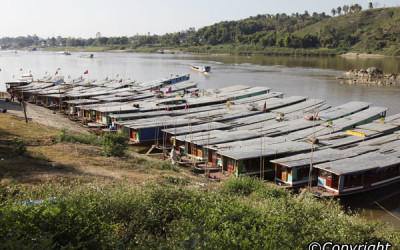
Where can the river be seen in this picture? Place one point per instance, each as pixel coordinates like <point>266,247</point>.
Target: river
<point>314,77</point>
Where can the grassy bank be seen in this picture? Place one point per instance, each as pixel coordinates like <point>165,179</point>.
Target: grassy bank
<point>218,49</point>
<point>259,50</point>
<point>88,200</point>
<point>78,49</point>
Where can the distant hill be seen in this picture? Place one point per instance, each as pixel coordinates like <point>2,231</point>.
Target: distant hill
<point>370,31</point>
<point>375,30</point>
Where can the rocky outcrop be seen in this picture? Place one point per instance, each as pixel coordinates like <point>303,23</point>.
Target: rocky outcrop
<point>370,76</point>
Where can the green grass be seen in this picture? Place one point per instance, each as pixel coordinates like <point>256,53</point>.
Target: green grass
<point>258,50</point>
<point>113,144</point>
<point>149,162</point>
<point>67,137</point>
<point>87,214</point>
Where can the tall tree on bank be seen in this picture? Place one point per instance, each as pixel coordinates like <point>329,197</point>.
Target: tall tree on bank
<point>333,11</point>
<point>339,10</point>
<point>345,9</point>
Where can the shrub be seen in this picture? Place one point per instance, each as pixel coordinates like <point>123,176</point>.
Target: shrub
<point>242,185</point>
<point>17,147</point>
<point>266,191</point>
<point>167,165</point>
<point>146,161</point>
<point>176,180</point>
<point>124,216</point>
<point>113,144</point>
<point>77,138</point>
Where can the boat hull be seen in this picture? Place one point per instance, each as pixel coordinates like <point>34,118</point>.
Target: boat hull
<point>335,193</point>
<point>201,69</point>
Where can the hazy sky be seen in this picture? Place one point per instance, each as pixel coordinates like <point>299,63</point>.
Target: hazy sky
<point>83,18</point>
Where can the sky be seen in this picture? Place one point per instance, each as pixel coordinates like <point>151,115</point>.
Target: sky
<point>84,18</point>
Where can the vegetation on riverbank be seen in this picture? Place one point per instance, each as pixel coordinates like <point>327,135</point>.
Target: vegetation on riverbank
<point>353,30</point>
<point>88,213</point>
<point>87,200</point>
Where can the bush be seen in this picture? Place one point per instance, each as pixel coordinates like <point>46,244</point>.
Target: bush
<point>153,217</point>
<point>113,144</point>
<point>167,165</point>
<point>176,180</point>
<point>146,161</point>
<point>266,191</point>
<point>77,138</point>
<point>242,185</point>
<point>17,147</point>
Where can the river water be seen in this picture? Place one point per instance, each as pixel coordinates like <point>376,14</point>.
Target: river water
<point>314,77</point>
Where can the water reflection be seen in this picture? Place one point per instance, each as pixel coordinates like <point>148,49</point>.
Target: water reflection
<point>376,203</point>
<point>387,64</point>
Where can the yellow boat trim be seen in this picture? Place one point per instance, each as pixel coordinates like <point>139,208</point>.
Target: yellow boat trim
<point>356,133</point>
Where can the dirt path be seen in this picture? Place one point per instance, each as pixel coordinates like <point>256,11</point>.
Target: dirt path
<point>43,116</point>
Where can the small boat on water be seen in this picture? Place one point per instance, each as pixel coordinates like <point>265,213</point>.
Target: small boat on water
<point>86,56</point>
<point>201,69</point>
<point>64,53</point>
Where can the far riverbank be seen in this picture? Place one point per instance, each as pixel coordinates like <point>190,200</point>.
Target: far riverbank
<point>227,49</point>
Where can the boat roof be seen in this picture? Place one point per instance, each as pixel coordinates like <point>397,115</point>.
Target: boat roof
<point>164,121</point>
<point>216,136</point>
<point>82,101</point>
<point>393,119</point>
<point>274,128</point>
<point>164,112</point>
<point>321,156</point>
<point>258,150</point>
<point>205,116</point>
<point>368,161</point>
<point>343,110</point>
<point>306,105</point>
<point>196,109</point>
<point>351,120</point>
<point>197,128</point>
<point>261,97</point>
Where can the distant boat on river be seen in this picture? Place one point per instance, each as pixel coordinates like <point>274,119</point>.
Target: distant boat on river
<point>202,69</point>
<point>64,53</point>
<point>86,56</point>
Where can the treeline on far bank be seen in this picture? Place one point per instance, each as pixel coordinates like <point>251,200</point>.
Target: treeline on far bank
<point>354,30</point>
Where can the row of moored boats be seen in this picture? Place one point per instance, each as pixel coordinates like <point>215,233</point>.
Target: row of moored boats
<point>238,130</point>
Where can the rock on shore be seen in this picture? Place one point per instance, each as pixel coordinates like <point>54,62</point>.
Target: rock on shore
<point>371,76</point>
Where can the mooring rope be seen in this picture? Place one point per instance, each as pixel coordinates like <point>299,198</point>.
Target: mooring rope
<point>387,211</point>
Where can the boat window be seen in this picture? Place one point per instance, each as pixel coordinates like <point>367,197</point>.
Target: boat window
<point>335,181</point>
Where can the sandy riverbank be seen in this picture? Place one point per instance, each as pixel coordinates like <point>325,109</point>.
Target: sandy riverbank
<point>361,55</point>
<point>43,116</point>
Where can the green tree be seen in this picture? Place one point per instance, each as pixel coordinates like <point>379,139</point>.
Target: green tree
<point>102,40</point>
<point>339,10</point>
<point>309,41</point>
<point>357,7</point>
<point>345,9</point>
<point>333,11</point>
